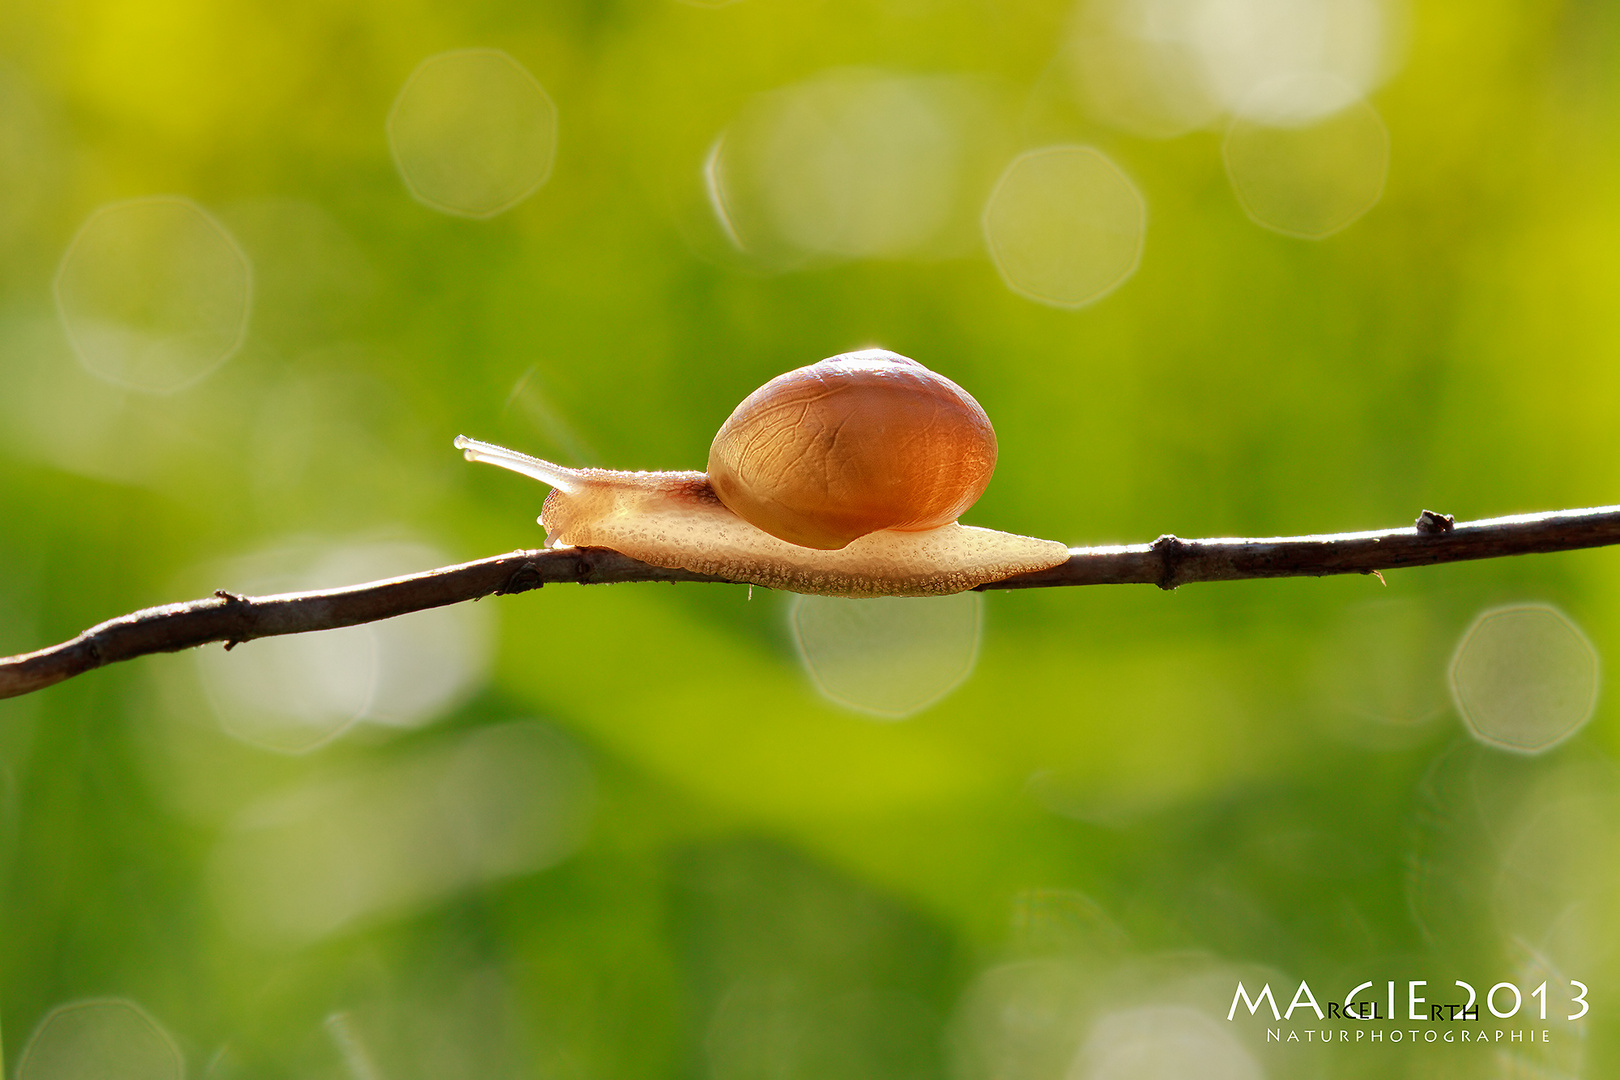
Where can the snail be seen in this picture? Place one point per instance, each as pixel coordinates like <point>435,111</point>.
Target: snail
<point>843,478</point>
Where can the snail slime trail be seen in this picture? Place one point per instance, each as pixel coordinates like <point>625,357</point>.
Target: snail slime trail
<point>844,478</point>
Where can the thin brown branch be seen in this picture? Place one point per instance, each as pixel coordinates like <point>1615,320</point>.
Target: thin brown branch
<point>1168,562</point>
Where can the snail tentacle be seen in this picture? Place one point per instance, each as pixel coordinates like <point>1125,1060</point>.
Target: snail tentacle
<point>558,476</point>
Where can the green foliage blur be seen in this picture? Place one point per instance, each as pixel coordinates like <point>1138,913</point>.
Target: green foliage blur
<point>1146,795</point>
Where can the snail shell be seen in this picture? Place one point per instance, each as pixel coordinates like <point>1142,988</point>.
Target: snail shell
<point>844,478</point>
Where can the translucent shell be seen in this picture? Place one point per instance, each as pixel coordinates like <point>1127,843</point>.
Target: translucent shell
<point>865,441</point>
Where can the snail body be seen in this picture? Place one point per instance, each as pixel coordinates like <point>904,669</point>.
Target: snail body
<point>843,478</point>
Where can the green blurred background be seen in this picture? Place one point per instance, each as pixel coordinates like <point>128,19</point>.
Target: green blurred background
<point>617,831</point>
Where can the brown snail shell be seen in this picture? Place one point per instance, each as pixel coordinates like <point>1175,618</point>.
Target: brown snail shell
<point>871,440</point>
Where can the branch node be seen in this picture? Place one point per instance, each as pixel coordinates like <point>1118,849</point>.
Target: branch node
<point>1172,550</point>
<point>231,644</point>
<point>230,597</point>
<point>1433,523</point>
<point>523,579</point>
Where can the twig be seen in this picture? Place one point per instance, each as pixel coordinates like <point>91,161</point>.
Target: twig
<point>1168,562</point>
